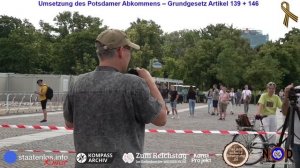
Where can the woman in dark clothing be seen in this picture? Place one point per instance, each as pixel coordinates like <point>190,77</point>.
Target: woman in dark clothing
<point>191,96</point>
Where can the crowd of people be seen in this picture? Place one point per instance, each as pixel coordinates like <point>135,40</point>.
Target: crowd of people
<point>109,108</point>
<point>221,98</point>
<point>218,99</point>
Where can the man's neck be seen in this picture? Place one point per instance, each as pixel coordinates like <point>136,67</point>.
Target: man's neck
<point>110,65</point>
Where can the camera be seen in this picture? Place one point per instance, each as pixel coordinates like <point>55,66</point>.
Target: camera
<point>133,71</point>
<point>294,93</point>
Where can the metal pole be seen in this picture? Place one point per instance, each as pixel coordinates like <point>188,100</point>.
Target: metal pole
<point>7,98</point>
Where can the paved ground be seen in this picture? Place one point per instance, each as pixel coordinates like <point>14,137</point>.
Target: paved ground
<point>26,139</point>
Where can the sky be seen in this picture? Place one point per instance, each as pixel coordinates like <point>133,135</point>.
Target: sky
<point>267,16</point>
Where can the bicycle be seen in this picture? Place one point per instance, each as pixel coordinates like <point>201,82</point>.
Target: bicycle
<point>256,144</point>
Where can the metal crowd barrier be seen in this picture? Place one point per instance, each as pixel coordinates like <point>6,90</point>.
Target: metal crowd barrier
<point>28,102</point>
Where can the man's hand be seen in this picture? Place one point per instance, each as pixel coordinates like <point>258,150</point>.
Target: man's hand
<point>285,105</point>
<point>143,73</point>
<point>161,119</point>
<point>258,117</point>
<point>69,124</point>
<point>287,90</point>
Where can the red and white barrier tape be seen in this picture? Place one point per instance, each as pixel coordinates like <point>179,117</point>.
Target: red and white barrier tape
<point>41,127</point>
<point>71,152</point>
<point>42,151</point>
<point>222,132</point>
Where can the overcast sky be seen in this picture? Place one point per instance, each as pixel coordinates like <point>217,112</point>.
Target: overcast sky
<point>267,17</point>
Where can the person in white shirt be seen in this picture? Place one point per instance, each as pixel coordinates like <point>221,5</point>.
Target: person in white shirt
<point>232,100</point>
<point>246,96</point>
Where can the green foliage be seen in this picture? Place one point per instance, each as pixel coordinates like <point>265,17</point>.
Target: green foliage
<point>19,43</point>
<point>214,54</point>
<point>88,64</point>
<point>148,35</point>
<point>261,71</point>
<point>74,42</point>
<point>71,50</point>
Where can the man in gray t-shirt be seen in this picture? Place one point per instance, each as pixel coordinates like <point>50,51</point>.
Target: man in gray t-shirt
<point>109,109</point>
<point>215,99</point>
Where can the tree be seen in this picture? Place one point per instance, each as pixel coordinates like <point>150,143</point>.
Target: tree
<point>88,64</point>
<point>176,45</point>
<point>19,43</point>
<point>218,56</point>
<point>67,23</point>
<point>73,50</point>
<point>147,34</point>
<point>287,53</point>
<point>263,70</point>
<point>74,41</point>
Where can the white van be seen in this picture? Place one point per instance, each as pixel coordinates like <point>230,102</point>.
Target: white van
<point>183,91</point>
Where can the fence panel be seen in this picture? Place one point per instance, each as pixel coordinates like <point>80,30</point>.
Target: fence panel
<point>11,103</point>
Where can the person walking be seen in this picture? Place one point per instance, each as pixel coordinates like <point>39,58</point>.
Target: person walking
<point>246,96</point>
<point>215,99</point>
<point>232,100</point>
<point>173,101</point>
<point>224,101</point>
<point>238,96</point>
<point>209,100</point>
<point>191,96</point>
<point>165,94</point>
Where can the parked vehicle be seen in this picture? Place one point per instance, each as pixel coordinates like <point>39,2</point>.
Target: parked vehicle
<point>183,91</point>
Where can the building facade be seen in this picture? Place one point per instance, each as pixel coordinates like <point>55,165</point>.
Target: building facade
<point>255,37</point>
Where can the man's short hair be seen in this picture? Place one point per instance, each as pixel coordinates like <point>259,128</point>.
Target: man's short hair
<point>101,52</point>
<point>40,80</point>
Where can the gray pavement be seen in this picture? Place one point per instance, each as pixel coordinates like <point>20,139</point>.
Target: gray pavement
<point>155,143</point>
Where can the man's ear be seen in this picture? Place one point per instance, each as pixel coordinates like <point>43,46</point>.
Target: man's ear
<point>120,52</point>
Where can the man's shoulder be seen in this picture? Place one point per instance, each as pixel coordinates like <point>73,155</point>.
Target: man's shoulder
<point>126,82</point>
<point>131,77</point>
<point>85,75</point>
<point>117,76</point>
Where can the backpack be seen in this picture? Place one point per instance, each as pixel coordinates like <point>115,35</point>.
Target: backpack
<point>49,93</point>
<point>243,121</point>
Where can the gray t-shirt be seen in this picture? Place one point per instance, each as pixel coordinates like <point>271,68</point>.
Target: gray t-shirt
<point>216,94</point>
<point>109,111</point>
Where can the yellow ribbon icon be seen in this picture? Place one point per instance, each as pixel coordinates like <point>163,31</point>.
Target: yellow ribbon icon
<point>286,9</point>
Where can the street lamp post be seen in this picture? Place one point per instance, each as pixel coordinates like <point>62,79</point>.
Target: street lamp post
<point>154,65</point>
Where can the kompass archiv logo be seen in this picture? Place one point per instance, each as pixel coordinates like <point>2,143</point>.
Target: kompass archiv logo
<point>95,157</point>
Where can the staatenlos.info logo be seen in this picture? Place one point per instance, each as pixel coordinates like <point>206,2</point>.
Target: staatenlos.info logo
<point>10,157</point>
